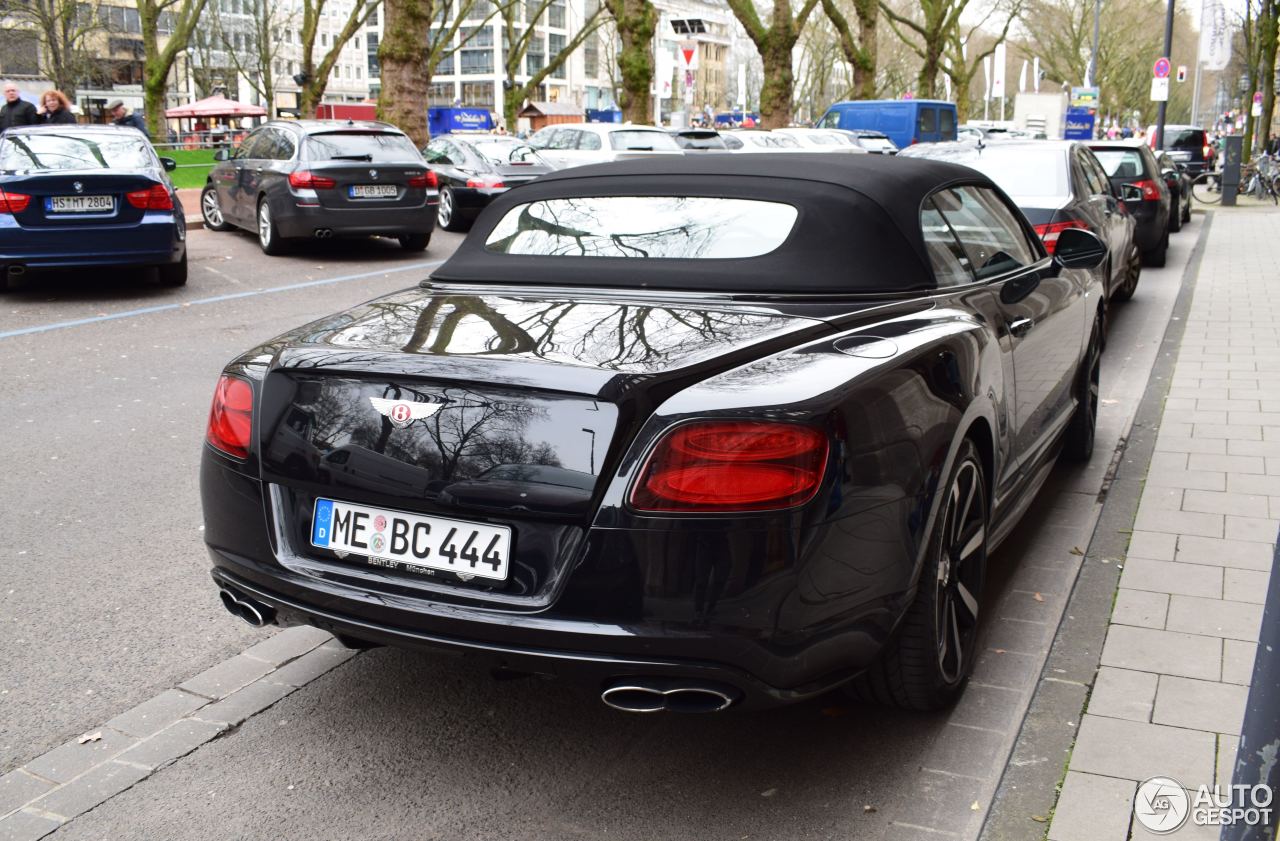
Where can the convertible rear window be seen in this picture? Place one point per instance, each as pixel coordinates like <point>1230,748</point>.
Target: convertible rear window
<point>48,151</point>
<point>642,140</point>
<point>367,146</point>
<point>653,227</point>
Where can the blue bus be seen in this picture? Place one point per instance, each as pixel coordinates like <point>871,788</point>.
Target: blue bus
<point>904,121</point>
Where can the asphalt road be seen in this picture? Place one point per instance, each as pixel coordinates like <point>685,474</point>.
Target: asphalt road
<point>105,601</point>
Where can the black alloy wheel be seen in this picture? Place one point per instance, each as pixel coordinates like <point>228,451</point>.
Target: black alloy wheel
<point>268,234</point>
<point>211,210</point>
<point>926,666</point>
<point>447,215</point>
<point>1083,428</point>
<point>1158,255</point>
<point>1133,271</point>
<point>173,274</point>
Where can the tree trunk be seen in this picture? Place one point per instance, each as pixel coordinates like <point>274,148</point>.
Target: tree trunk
<point>512,99</point>
<point>636,22</point>
<point>406,78</point>
<point>1270,31</point>
<point>927,81</point>
<point>779,80</point>
<point>864,72</point>
<point>960,89</point>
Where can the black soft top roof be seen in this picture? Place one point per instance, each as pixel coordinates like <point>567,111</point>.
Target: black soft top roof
<point>857,230</point>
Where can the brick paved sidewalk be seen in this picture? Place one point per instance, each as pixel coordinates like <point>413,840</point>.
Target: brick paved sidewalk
<point>1170,693</point>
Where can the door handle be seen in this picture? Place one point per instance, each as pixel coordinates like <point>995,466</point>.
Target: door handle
<point>1021,326</point>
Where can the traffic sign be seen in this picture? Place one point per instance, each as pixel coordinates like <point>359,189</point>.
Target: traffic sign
<point>688,55</point>
<point>1160,89</point>
<point>1161,68</point>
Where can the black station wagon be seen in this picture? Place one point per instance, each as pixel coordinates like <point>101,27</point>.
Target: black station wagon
<point>700,433</point>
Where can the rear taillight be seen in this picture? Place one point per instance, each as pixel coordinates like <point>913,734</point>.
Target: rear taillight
<point>231,416</point>
<point>1207,150</point>
<point>1150,189</point>
<point>13,202</point>
<point>721,466</point>
<point>155,197</point>
<point>1049,233</point>
<point>486,183</point>
<point>424,181</point>
<point>306,180</point>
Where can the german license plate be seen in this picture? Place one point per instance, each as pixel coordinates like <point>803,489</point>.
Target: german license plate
<point>373,191</point>
<point>80,204</point>
<point>413,542</point>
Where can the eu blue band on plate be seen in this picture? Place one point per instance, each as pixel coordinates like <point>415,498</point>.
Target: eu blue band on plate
<point>321,522</point>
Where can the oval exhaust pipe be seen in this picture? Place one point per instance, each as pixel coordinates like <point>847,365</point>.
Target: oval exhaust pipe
<point>671,695</point>
<point>17,270</point>
<point>245,608</point>
<point>323,233</point>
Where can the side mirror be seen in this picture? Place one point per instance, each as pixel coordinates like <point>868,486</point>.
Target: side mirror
<point>1078,248</point>
<point>169,164</point>
<point>1131,192</point>
<point>222,155</point>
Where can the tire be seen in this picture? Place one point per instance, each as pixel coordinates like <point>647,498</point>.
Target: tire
<point>1132,273</point>
<point>927,663</point>
<point>1078,445</point>
<point>447,215</point>
<point>268,234</point>
<point>174,274</point>
<point>1186,208</point>
<point>1175,217</point>
<point>414,242</point>
<point>1207,188</point>
<point>1160,254</point>
<point>211,210</point>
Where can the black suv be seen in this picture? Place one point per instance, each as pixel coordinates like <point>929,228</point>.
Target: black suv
<point>308,179</point>
<point>1186,145</point>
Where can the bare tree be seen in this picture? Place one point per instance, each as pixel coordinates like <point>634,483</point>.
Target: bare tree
<point>775,44</point>
<point>636,21</point>
<point>180,18</point>
<point>253,50</point>
<point>928,39</point>
<point>406,68</point>
<point>860,52</point>
<point>316,76</point>
<point>64,32</point>
<point>518,38</point>
<point>962,64</point>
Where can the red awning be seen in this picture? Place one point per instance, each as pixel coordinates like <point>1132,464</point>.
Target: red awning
<point>216,106</point>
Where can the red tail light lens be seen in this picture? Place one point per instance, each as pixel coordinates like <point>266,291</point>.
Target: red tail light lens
<point>721,466</point>
<point>13,202</point>
<point>307,180</point>
<point>231,416</point>
<point>155,197</point>
<point>486,183</point>
<point>1049,233</point>
<point>1150,189</point>
<point>424,181</point>
<point>1207,150</point>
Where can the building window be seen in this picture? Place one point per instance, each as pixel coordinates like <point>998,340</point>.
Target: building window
<point>476,62</point>
<point>375,69</point>
<point>555,14</point>
<point>373,18</point>
<point>483,36</point>
<point>591,57</point>
<point>477,94</point>
<point>555,45</point>
<point>536,58</point>
<point>441,93</point>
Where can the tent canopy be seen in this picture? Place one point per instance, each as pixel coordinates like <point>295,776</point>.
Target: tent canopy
<point>216,106</point>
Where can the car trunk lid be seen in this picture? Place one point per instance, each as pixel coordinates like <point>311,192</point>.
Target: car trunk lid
<point>79,199</point>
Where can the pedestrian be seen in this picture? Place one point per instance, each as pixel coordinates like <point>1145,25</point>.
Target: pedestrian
<point>16,111</point>
<point>57,109</point>
<point>1273,144</point>
<point>120,116</point>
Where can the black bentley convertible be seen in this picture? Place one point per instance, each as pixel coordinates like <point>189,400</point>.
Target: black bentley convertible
<point>698,431</point>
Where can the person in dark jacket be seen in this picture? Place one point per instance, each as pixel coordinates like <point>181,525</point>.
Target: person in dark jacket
<point>120,116</point>
<point>15,111</point>
<point>57,109</point>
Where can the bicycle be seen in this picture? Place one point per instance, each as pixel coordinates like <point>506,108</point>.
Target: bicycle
<point>1206,188</point>
<point>1259,178</point>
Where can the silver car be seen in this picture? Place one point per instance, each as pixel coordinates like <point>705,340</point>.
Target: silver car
<point>305,179</point>
<point>576,144</point>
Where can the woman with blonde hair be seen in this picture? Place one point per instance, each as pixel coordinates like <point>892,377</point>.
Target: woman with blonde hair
<point>57,109</point>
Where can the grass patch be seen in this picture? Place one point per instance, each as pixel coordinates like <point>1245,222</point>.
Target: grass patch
<point>193,166</point>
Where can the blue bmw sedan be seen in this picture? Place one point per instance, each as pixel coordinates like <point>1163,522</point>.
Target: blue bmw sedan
<point>75,196</point>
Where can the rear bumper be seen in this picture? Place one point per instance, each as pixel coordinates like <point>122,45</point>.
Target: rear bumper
<point>293,220</point>
<point>151,242</point>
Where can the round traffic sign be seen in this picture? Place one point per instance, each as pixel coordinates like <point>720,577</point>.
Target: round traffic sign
<point>1161,68</point>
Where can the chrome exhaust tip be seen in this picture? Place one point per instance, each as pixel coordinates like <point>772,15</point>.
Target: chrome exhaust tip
<point>672,695</point>
<point>245,608</point>
<point>324,233</point>
<point>17,270</point>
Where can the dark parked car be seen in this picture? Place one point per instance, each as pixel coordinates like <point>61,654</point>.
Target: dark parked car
<point>699,140</point>
<point>1059,185</point>
<point>304,179</point>
<point>1179,184</point>
<point>1187,145</point>
<point>625,452</point>
<point>474,169</point>
<point>74,196</point>
<point>1136,176</point>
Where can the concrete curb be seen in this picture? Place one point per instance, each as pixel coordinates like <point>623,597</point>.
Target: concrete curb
<point>1028,792</point>
<point>52,789</point>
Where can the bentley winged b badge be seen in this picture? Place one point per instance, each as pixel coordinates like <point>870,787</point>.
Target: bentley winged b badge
<point>401,413</point>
